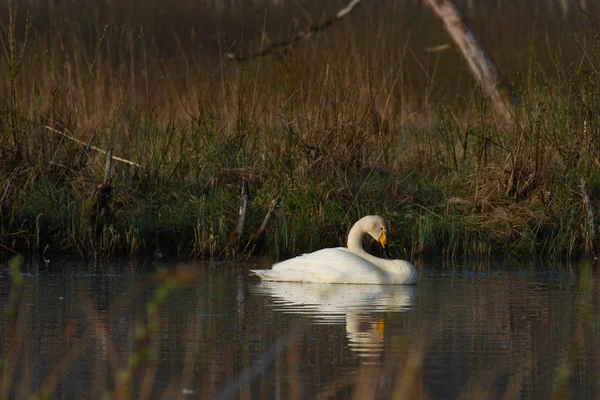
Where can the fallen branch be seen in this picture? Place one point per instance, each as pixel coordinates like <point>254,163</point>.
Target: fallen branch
<point>263,227</point>
<point>265,222</point>
<point>286,44</point>
<point>89,146</point>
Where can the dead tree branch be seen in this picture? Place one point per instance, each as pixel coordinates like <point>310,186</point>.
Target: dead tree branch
<point>263,227</point>
<point>285,45</point>
<point>480,64</point>
<point>89,146</point>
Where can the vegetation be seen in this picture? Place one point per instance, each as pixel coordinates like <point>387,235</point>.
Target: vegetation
<point>364,117</point>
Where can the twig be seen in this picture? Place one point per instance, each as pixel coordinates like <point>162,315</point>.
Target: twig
<point>346,10</point>
<point>108,168</point>
<point>591,226</point>
<point>265,222</point>
<point>81,142</point>
<point>486,139</point>
<point>263,227</point>
<point>440,47</point>
<point>286,44</point>
<point>243,209</point>
<point>85,155</point>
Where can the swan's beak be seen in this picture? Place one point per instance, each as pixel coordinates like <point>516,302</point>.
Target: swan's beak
<point>383,242</point>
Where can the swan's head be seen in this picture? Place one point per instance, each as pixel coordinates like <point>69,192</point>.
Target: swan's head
<point>376,226</point>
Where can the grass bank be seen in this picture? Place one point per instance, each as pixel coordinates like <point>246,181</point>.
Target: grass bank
<point>361,118</point>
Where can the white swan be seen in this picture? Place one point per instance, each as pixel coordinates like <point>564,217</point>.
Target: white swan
<point>346,265</point>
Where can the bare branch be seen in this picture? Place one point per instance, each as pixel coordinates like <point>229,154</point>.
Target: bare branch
<point>265,222</point>
<point>263,227</point>
<point>342,13</point>
<point>440,47</point>
<point>285,45</point>
<point>479,62</point>
<point>108,168</point>
<point>89,146</point>
<point>243,208</point>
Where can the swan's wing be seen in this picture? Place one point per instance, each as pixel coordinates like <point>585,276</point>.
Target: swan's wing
<point>335,265</point>
<point>300,271</point>
<point>332,256</point>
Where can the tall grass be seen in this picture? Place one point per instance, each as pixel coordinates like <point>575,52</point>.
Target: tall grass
<point>361,118</point>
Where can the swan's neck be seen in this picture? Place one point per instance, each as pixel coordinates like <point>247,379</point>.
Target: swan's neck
<point>355,238</point>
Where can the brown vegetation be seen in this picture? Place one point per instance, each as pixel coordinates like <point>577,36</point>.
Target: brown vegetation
<point>375,114</point>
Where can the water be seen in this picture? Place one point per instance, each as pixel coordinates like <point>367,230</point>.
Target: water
<point>505,333</point>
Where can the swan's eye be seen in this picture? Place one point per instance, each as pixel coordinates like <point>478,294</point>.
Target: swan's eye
<point>381,227</point>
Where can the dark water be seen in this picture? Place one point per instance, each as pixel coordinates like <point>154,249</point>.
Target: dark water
<point>498,332</point>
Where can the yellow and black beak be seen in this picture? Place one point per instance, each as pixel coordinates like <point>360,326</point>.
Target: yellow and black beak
<point>383,242</point>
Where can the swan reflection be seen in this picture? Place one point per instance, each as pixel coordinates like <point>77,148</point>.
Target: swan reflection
<point>361,308</point>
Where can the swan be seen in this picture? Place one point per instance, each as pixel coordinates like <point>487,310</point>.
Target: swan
<point>346,265</point>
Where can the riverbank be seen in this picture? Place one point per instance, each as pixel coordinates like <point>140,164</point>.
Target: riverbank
<point>352,122</point>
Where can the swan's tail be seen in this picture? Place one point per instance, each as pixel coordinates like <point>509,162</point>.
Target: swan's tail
<point>279,276</point>
<point>265,274</point>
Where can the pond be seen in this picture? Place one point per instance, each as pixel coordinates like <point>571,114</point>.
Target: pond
<point>464,332</point>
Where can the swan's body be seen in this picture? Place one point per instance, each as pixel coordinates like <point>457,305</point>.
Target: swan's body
<point>346,265</point>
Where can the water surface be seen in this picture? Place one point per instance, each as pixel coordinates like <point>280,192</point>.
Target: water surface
<point>505,332</point>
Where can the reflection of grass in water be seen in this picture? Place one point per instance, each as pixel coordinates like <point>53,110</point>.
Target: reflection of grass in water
<point>134,376</point>
<point>359,120</point>
<point>134,373</point>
